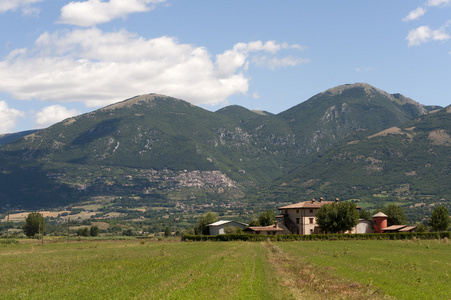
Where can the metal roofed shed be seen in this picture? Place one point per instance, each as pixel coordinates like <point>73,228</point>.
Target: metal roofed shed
<point>218,227</point>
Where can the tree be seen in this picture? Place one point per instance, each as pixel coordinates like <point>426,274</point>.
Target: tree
<point>232,230</point>
<point>203,221</point>
<point>365,214</point>
<point>33,224</point>
<point>94,231</point>
<point>167,231</point>
<point>83,231</point>
<point>421,227</point>
<point>128,232</point>
<point>440,219</point>
<point>395,215</point>
<point>337,217</point>
<point>267,218</point>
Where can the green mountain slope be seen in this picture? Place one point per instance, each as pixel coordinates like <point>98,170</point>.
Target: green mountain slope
<point>163,146</point>
<point>329,117</point>
<point>409,164</point>
<point>10,137</point>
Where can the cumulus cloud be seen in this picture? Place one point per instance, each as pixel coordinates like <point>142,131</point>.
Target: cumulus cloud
<point>54,114</point>
<point>438,2</point>
<point>93,12</point>
<point>424,34</point>
<point>415,14</point>
<point>9,117</point>
<point>6,5</point>
<point>98,68</point>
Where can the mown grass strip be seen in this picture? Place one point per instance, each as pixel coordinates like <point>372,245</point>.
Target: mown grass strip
<point>415,269</point>
<point>308,281</point>
<point>137,270</point>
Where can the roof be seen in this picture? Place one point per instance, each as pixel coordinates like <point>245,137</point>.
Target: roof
<point>380,214</point>
<point>306,204</point>
<point>223,222</point>
<point>407,229</point>
<point>394,228</point>
<point>264,228</point>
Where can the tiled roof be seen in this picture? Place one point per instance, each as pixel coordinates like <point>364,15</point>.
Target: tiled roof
<point>380,214</point>
<point>407,228</point>
<point>264,228</point>
<point>394,228</point>
<point>307,204</point>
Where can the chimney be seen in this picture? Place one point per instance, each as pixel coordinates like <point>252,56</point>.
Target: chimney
<point>276,224</point>
<point>320,199</point>
<point>336,200</point>
<point>313,200</point>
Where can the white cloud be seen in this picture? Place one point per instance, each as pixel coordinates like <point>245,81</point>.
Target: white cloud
<point>274,62</point>
<point>97,68</point>
<point>415,14</point>
<point>93,12</point>
<point>54,114</point>
<point>238,56</point>
<point>424,34</point>
<point>9,117</point>
<point>6,5</point>
<point>256,95</point>
<point>364,69</point>
<point>438,2</point>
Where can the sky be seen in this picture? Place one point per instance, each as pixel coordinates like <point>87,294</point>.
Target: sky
<point>59,59</point>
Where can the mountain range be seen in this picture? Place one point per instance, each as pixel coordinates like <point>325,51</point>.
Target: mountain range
<point>352,141</point>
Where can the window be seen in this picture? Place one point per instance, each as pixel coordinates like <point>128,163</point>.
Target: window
<point>311,231</point>
<point>297,211</point>
<point>311,220</point>
<point>311,211</point>
<point>297,220</point>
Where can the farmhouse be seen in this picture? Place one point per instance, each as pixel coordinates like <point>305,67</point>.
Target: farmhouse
<point>300,218</point>
<point>218,227</point>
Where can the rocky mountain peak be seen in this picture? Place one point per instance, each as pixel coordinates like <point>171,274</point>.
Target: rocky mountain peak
<point>369,89</point>
<point>141,99</point>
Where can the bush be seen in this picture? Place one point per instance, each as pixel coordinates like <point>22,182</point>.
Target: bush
<point>83,231</point>
<point>320,237</point>
<point>94,231</point>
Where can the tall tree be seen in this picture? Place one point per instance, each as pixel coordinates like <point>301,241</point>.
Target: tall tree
<point>204,220</point>
<point>337,217</point>
<point>266,218</point>
<point>167,231</point>
<point>395,215</point>
<point>440,219</point>
<point>94,231</point>
<point>33,223</point>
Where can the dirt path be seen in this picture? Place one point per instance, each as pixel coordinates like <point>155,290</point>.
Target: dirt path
<point>313,282</point>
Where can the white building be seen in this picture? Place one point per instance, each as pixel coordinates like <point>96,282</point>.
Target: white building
<point>218,227</point>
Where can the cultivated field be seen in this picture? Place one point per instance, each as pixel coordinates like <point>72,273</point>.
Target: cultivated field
<point>138,269</point>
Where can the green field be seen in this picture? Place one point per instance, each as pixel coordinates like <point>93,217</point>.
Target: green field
<point>138,269</point>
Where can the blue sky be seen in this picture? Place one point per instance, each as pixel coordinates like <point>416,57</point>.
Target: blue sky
<point>62,58</point>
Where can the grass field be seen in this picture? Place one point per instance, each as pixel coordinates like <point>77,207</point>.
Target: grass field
<point>138,269</point>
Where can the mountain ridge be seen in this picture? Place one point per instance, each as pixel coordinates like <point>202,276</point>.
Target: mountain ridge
<point>130,147</point>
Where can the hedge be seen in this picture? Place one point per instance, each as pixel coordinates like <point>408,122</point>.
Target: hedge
<point>319,237</point>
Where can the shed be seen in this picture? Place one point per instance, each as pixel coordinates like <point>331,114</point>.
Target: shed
<point>393,228</point>
<point>265,230</point>
<point>218,227</point>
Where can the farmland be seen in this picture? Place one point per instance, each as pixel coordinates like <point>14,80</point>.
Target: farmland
<point>145,269</point>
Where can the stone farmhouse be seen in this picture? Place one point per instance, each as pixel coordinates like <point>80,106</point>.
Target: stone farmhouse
<point>300,218</point>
